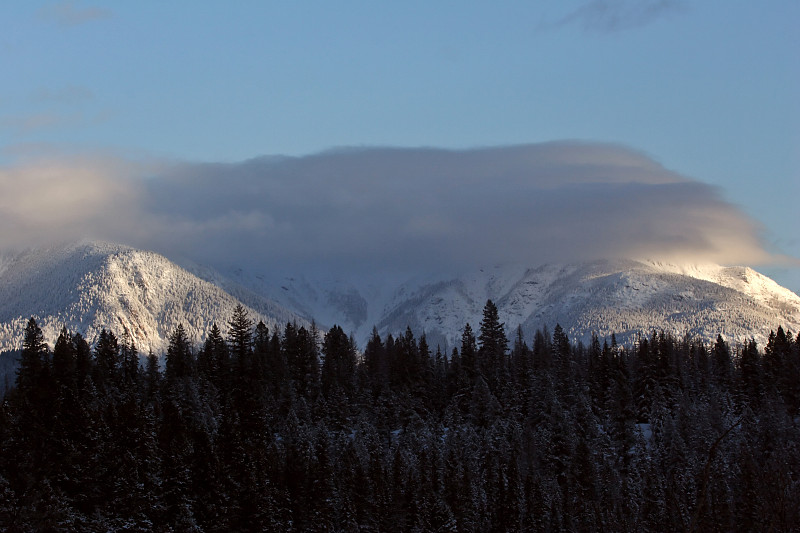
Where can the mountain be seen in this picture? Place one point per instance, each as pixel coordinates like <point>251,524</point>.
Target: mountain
<point>625,297</point>
<point>92,285</point>
<point>89,286</point>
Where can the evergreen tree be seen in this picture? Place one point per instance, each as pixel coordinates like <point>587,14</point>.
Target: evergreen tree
<point>521,360</point>
<point>152,377</point>
<point>213,361</point>
<point>493,347</point>
<point>261,347</point>
<point>240,337</point>
<point>469,353</point>
<point>34,359</point>
<point>542,353</point>
<point>301,350</point>
<point>338,367</point>
<point>564,364</point>
<point>721,364</point>
<point>64,359</point>
<point>84,364</point>
<point>179,362</point>
<point>106,355</point>
<point>749,377</point>
<point>401,440</point>
<point>129,356</point>
<point>375,362</point>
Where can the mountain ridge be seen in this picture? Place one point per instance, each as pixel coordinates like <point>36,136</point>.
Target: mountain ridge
<point>626,297</point>
<point>91,285</point>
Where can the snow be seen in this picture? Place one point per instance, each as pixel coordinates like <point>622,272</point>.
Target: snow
<point>88,286</point>
<point>626,297</point>
<point>646,431</point>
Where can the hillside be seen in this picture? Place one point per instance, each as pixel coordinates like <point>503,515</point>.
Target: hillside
<point>624,297</point>
<point>88,286</point>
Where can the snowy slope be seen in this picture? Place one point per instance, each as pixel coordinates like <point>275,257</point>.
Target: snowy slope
<point>625,297</point>
<point>88,286</point>
<point>93,285</point>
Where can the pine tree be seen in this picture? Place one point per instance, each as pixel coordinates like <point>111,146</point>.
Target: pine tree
<point>469,353</point>
<point>721,365</point>
<point>64,359</point>
<point>180,362</point>
<point>561,345</point>
<point>521,363</point>
<point>301,350</point>
<point>84,365</point>
<point>129,356</point>
<point>106,355</point>
<point>261,346</point>
<point>564,365</point>
<point>152,377</point>
<point>749,378</point>
<point>493,347</point>
<point>213,361</point>
<point>542,354</point>
<point>240,337</point>
<point>375,363</point>
<point>338,367</point>
<point>34,359</point>
<point>492,339</point>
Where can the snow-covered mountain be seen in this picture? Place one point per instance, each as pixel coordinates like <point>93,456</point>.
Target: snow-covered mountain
<point>625,297</point>
<point>89,286</point>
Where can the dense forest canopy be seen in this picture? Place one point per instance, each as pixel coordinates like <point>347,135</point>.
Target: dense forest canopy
<point>293,430</point>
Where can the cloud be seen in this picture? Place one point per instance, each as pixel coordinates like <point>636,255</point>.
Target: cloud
<point>611,16</point>
<point>69,95</point>
<point>48,201</point>
<point>67,14</point>
<point>359,210</point>
<point>426,208</point>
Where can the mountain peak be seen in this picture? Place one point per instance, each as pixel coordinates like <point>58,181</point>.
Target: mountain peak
<point>92,285</point>
<point>627,297</point>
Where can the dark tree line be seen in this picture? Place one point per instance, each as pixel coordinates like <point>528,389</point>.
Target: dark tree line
<point>292,430</point>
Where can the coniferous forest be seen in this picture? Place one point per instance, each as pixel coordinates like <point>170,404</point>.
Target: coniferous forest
<point>300,430</point>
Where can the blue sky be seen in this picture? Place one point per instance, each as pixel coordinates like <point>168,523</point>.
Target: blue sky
<point>707,89</point>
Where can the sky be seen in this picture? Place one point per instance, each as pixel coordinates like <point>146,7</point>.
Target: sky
<point>377,134</point>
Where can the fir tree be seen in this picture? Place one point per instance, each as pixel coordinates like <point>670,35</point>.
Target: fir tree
<point>106,355</point>
<point>493,347</point>
<point>34,359</point>
<point>721,364</point>
<point>179,362</point>
<point>64,359</point>
<point>240,337</point>
<point>339,365</point>
<point>469,352</point>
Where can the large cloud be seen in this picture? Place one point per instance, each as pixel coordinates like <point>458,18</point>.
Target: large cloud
<point>367,209</point>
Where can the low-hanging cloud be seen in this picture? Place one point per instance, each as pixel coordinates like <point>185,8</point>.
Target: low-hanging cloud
<point>46,201</point>
<point>388,208</point>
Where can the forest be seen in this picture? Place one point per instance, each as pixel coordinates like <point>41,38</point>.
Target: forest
<point>302,430</point>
